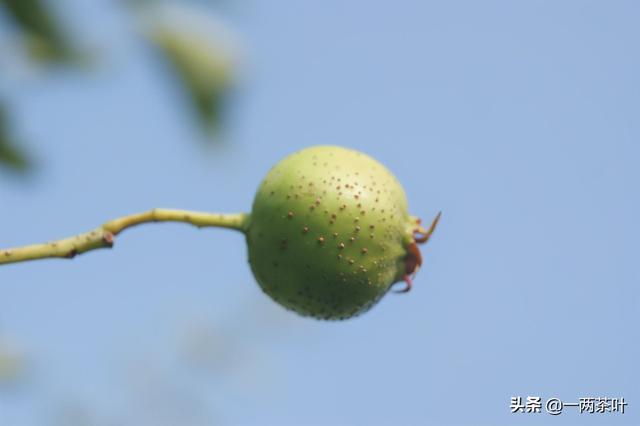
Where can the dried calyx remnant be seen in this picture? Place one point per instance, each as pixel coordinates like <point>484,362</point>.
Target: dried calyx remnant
<point>328,235</point>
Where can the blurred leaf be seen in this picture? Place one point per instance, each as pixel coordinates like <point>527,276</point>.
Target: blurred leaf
<point>45,40</point>
<point>204,77</point>
<point>203,61</point>
<point>11,363</point>
<point>10,155</point>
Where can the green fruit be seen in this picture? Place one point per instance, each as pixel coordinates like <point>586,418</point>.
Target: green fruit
<point>330,233</point>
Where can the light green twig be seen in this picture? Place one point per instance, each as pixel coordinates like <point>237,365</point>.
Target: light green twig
<point>103,236</point>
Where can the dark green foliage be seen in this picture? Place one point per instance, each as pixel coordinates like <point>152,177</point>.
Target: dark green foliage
<point>10,155</point>
<point>45,39</point>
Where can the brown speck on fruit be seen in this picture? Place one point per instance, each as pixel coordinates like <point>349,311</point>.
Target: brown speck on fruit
<point>357,228</point>
<point>341,246</point>
<point>321,240</point>
<point>290,215</point>
<point>365,250</point>
<point>335,235</point>
<point>352,239</point>
<point>351,261</point>
<point>305,230</point>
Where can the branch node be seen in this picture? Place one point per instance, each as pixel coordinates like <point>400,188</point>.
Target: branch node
<point>73,253</point>
<point>107,237</point>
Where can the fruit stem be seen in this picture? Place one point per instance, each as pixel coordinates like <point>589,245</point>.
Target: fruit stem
<point>103,236</point>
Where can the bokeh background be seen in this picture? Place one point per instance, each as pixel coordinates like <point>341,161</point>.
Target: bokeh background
<point>519,120</point>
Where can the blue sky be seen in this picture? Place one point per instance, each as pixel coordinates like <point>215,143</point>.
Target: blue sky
<point>519,120</point>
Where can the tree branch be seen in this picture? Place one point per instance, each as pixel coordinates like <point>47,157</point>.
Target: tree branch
<point>103,236</point>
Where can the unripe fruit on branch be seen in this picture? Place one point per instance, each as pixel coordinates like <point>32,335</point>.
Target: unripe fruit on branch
<point>330,233</point>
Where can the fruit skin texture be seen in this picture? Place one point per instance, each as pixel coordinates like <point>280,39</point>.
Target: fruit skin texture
<point>329,232</point>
